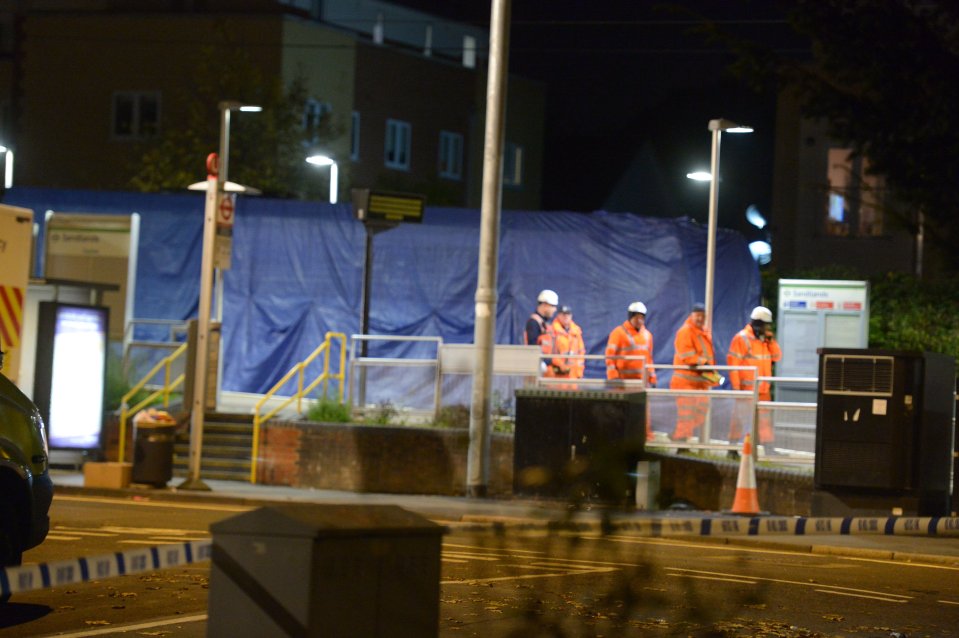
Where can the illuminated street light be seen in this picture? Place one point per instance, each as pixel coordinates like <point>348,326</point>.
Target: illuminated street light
<point>7,166</point>
<point>717,127</point>
<point>217,178</point>
<point>325,160</point>
<point>700,176</point>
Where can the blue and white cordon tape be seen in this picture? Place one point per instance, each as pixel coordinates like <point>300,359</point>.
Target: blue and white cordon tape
<point>792,526</point>
<point>15,580</point>
<point>751,526</point>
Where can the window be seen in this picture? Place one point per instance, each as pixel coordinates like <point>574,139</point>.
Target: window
<point>451,155</point>
<point>355,136</point>
<point>512,165</point>
<point>136,115</point>
<point>398,144</point>
<point>315,115</point>
<point>854,203</point>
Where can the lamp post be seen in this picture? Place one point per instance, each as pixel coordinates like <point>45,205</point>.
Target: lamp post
<point>717,127</point>
<point>7,166</point>
<point>215,190</point>
<point>325,160</point>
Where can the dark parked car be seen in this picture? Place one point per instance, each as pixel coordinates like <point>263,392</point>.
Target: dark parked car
<point>25,486</point>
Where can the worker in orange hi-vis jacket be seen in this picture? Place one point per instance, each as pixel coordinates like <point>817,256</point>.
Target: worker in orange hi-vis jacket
<point>755,346</point>
<point>568,338</point>
<point>539,329</point>
<point>693,347</point>
<point>631,339</point>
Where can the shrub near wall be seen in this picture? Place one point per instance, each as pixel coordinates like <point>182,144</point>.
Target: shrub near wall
<point>365,458</point>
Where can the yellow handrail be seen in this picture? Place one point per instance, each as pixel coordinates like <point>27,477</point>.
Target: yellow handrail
<point>165,391</point>
<point>299,369</point>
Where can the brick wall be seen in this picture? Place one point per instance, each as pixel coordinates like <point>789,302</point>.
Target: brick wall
<point>407,460</point>
<point>365,458</point>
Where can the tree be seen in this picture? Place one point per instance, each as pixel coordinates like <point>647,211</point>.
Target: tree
<point>882,75</point>
<point>267,149</point>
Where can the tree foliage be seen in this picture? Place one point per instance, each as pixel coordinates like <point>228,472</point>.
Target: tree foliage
<point>883,75</point>
<point>267,149</point>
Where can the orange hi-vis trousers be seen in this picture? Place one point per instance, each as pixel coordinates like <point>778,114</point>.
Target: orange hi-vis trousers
<point>690,411</point>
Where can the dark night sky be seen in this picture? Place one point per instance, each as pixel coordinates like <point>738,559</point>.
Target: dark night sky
<point>628,78</point>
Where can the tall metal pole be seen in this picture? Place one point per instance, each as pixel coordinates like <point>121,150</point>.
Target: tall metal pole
<point>214,192</point>
<point>711,232</point>
<point>478,459</point>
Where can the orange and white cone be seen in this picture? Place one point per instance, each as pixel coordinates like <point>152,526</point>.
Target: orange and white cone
<point>747,497</point>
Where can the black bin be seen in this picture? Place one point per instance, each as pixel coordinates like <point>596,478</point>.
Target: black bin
<point>153,452</point>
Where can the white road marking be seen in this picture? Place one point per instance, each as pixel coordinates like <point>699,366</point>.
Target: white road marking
<point>494,550</point>
<point>112,629</point>
<point>57,537</point>
<point>756,550</point>
<point>80,531</point>
<point>842,593</point>
<point>949,602</point>
<point>728,580</point>
<point>476,581</point>
<point>452,560</point>
<point>472,556</point>
<point>156,531</point>
<point>832,588</point>
<point>212,507</point>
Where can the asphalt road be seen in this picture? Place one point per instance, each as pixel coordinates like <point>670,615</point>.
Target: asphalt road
<point>514,585</point>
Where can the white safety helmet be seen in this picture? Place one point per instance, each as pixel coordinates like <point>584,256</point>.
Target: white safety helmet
<point>548,296</point>
<point>637,306</point>
<point>761,313</point>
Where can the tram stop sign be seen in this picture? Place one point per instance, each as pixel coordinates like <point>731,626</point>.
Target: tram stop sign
<point>386,208</point>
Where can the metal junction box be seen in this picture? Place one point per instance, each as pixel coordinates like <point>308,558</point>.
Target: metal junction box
<point>884,428</point>
<point>578,443</point>
<point>302,569</point>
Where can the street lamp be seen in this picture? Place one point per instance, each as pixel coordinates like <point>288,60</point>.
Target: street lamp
<point>325,160</point>
<point>717,127</point>
<point>217,177</point>
<point>7,166</point>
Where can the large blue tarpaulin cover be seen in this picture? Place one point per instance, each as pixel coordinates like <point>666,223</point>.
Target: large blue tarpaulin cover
<point>297,272</point>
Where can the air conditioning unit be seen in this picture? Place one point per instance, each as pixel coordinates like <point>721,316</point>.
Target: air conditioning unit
<point>884,425</point>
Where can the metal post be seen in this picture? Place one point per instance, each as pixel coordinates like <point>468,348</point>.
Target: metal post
<point>711,232</point>
<point>478,460</point>
<point>214,192</point>
<point>365,315</point>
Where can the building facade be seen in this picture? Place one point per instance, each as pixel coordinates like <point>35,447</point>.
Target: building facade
<point>87,85</point>
<point>827,208</point>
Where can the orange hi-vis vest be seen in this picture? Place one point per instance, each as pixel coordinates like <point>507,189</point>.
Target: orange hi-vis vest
<point>627,341</point>
<point>693,346</point>
<point>748,350</point>
<point>569,342</point>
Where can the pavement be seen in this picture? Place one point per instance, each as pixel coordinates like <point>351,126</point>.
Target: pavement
<point>477,513</point>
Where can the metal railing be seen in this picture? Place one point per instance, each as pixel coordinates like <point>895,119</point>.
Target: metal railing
<point>360,363</point>
<point>794,423</point>
<point>298,370</point>
<point>176,330</point>
<point>168,386</point>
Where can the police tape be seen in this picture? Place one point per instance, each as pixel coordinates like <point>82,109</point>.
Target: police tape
<point>16,580</point>
<point>744,526</point>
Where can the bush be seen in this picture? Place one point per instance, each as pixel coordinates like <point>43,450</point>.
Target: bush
<point>327,410</point>
<point>453,416</point>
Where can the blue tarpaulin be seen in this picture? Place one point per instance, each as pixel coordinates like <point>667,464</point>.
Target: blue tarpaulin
<point>297,272</point>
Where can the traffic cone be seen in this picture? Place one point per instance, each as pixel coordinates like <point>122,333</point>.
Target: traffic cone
<point>747,497</point>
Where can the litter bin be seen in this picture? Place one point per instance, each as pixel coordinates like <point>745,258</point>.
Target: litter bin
<point>153,434</point>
